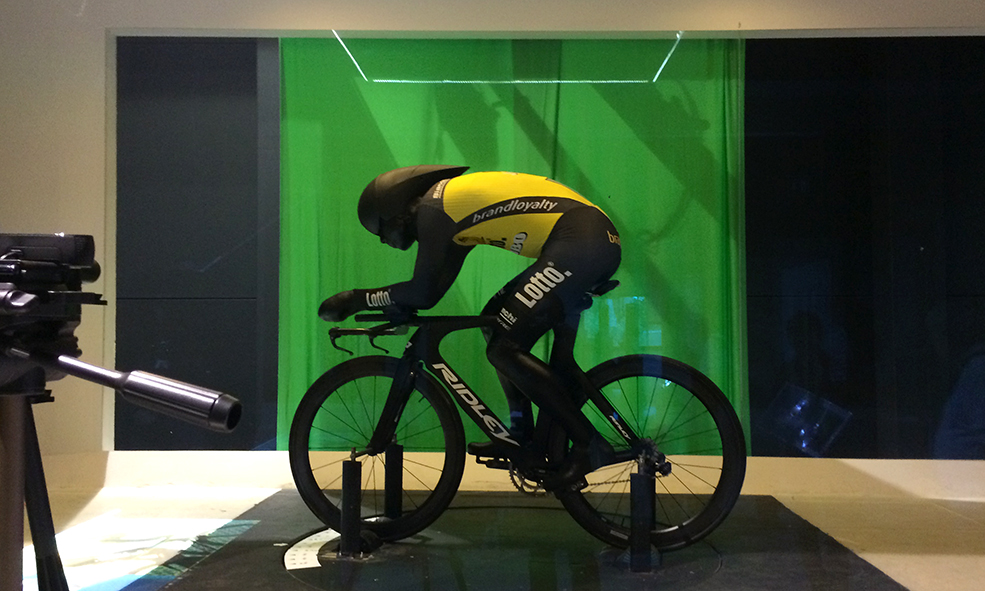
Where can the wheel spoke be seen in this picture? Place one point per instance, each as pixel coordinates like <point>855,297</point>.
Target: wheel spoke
<point>351,425</point>
<point>341,411</point>
<point>361,399</point>
<point>687,418</point>
<point>649,404</point>
<point>664,441</point>
<point>684,467</point>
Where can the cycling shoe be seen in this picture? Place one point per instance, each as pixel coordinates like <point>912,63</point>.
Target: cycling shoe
<point>571,472</point>
<point>581,460</point>
<point>490,449</point>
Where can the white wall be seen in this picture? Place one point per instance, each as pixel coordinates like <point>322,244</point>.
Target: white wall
<point>57,106</point>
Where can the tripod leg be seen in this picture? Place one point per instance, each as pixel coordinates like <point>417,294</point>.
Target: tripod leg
<point>51,574</point>
<point>13,413</point>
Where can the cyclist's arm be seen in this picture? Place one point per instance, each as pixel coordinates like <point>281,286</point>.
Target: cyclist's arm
<point>439,260</point>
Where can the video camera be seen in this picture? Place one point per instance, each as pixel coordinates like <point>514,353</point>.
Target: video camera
<point>41,299</point>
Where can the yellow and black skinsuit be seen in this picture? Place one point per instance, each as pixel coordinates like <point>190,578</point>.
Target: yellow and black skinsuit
<point>576,248</point>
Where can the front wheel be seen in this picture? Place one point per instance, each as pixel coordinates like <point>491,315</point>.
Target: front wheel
<point>404,489</point>
<point>678,411</point>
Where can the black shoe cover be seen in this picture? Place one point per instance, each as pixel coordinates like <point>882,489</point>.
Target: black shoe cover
<point>490,449</point>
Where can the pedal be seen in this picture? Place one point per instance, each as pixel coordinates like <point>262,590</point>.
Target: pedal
<point>495,463</point>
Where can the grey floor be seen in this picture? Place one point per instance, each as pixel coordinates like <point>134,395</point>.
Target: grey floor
<point>921,523</point>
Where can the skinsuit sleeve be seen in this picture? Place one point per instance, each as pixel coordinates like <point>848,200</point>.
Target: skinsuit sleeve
<point>439,260</point>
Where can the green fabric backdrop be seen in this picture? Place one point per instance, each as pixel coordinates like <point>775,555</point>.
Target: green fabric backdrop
<point>663,159</point>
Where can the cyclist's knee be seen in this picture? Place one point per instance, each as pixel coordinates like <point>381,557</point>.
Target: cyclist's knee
<point>502,352</point>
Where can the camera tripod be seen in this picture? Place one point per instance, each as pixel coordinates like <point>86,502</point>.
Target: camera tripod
<point>22,475</point>
<point>41,301</point>
<point>22,482</point>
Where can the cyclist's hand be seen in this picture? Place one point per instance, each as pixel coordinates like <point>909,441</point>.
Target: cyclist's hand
<point>340,306</point>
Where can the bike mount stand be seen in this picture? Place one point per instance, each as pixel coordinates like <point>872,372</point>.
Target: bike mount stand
<point>351,499</point>
<point>354,542</point>
<point>22,482</point>
<point>642,496</point>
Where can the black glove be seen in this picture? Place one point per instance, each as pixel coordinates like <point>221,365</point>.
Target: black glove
<point>340,306</point>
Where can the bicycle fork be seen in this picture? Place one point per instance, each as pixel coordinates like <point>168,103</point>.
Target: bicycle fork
<point>403,384</point>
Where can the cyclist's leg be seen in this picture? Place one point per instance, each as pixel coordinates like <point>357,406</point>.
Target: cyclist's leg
<point>521,413</point>
<point>509,352</point>
<point>550,295</point>
<point>586,240</point>
<point>562,358</point>
<point>582,252</point>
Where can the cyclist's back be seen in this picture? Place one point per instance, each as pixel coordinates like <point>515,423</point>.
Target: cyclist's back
<point>513,211</point>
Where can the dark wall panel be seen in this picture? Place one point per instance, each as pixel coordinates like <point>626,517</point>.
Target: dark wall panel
<point>187,168</point>
<point>865,243</point>
<point>200,341</point>
<point>197,232</point>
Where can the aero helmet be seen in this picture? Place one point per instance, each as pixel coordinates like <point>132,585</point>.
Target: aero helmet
<point>389,194</point>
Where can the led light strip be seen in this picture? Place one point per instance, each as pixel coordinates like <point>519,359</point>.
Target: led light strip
<point>352,57</point>
<point>666,59</point>
<point>680,34</point>
<point>397,81</point>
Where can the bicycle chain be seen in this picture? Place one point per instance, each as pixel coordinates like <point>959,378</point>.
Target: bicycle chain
<point>605,482</point>
<point>620,481</point>
<point>536,490</point>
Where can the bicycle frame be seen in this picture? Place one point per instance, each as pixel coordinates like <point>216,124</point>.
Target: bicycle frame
<point>423,349</point>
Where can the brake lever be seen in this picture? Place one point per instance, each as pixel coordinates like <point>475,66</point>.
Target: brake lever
<point>334,337</point>
<point>372,341</point>
<point>371,333</point>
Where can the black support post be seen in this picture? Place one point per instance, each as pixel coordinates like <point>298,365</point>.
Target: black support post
<point>51,573</point>
<point>351,493</point>
<point>642,498</point>
<point>394,481</point>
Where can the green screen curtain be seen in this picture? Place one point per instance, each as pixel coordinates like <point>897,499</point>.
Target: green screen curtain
<point>662,157</point>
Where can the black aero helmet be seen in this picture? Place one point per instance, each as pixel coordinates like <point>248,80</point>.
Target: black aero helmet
<point>389,194</point>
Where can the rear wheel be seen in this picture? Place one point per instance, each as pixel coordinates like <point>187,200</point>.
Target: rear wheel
<point>683,415</point>
<point>339,413</point>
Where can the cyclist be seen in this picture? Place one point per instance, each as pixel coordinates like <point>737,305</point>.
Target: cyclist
<point>576,250</point>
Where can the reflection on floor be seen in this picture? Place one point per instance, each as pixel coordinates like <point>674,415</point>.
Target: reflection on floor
<point>919,522</point>
<point>108,539</point>
<point>110,551</point>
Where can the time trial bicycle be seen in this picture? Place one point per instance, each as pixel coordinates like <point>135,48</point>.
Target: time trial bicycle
<point>397,417</point>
